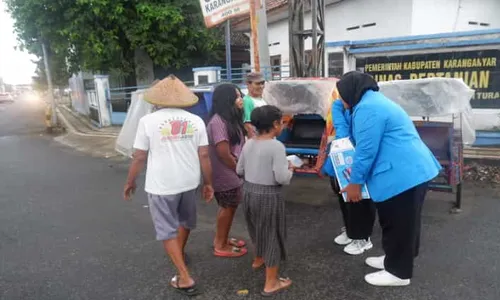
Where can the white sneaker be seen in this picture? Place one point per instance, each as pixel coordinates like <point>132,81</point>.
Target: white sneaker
<point>384,278</point>
<point>376,262</point>
<point>358,247</point>
<point>342,239</point>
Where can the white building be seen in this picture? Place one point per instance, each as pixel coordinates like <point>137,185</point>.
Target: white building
<point>372,19</point>
<point>377,36</point>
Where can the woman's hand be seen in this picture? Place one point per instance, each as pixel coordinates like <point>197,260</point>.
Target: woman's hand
<point>353,192</point>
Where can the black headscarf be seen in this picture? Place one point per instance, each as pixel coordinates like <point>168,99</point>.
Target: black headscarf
<point>353,85</point>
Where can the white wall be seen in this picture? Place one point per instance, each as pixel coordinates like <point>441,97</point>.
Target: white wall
<point>481,11</point>
<point>437,16</point>
<point>393,18</point>
<point>278,33</point>
<point>349,13</point>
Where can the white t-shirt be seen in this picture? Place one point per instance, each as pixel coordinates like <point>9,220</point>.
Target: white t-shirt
<point>172,137</point>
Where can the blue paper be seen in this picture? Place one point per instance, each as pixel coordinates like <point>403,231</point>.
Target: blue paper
<point>342,156</point>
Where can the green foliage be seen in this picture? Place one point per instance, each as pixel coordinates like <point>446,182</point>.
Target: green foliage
<point>101,35</point>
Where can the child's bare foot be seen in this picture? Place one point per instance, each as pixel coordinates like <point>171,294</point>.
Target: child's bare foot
<point>278,286</point>
<point>258,262</point>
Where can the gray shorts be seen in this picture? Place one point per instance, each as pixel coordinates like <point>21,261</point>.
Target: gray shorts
<point>169,212</point>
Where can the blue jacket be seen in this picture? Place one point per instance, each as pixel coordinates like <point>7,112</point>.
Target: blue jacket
<point>342,124</point>
<point>390,157</point>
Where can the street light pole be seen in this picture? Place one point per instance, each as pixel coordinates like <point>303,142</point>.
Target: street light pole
<point>51,90</point>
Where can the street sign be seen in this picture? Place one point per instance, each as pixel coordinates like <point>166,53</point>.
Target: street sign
<point>479,69</point>
<point>217,11</point>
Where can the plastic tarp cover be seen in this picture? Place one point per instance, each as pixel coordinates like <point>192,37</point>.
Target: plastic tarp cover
<point>300,96</point>
<point>435,97</point>
<point>138,108</point>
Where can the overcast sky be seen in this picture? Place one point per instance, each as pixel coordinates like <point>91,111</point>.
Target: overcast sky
<point>16,67</point>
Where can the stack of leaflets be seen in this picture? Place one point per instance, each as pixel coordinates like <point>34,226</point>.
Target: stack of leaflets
<point>342,155</point>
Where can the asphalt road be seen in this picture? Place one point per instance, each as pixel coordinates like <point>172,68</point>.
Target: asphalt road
<point>66,234</point>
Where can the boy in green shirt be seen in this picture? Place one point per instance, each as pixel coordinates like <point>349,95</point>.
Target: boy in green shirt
<point>255,84</point>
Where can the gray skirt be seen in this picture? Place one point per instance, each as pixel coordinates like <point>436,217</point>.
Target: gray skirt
<point>264,209</point>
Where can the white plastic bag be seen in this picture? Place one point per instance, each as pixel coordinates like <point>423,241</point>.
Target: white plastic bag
<point>138,108</point>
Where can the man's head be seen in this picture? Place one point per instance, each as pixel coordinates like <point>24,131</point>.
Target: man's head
<point>255,83</point>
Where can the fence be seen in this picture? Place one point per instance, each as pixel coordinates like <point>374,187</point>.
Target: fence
<point>120,98</point>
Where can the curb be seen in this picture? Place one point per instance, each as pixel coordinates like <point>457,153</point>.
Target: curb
<point>73,130</point>
<point>482,153</point>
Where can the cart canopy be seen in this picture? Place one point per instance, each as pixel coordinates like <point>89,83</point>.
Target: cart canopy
<point>298,96</point>
<point>435,98</point>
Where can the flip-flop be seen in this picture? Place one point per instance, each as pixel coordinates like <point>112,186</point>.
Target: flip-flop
<point>236,243</point>
<point>279,290</point>
<point>235,252</point>
<point>186,291</point>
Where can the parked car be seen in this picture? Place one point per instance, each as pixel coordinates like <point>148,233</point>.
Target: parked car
<point>6,97</point>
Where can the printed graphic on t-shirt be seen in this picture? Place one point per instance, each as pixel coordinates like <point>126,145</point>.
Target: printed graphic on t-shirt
<point>177,130</point>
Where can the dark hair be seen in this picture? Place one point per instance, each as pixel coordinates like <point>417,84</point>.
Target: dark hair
<point>223,100</point>
<point>263,117</point>
<point>353,85</point>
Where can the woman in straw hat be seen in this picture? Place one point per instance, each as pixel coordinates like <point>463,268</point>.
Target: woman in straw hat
<point>226,135</point>
<point>174,142</point>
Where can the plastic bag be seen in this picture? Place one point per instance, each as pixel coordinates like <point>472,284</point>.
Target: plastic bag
<point>138,109</point>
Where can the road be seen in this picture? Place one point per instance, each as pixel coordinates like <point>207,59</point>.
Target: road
<point>66,234</point>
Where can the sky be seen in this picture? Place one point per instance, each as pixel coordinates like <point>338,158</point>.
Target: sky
<point>16,67</point>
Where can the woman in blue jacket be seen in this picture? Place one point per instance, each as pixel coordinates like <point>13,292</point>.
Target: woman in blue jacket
<point>358,217</point>
<point>396,166</point>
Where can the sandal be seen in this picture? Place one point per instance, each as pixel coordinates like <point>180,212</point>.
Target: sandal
<point>284,284</point>
<point>236,243</point>
<point>235,252</point>
<point>186,291</point>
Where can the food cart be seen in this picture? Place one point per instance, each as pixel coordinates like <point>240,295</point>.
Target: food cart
<point>442,115</point>
<point>440,108</point>
<point>308,127</point>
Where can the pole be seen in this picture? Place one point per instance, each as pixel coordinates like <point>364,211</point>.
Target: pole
<point>254,34</point>
<point>51,90</point>
<point>229,71</point>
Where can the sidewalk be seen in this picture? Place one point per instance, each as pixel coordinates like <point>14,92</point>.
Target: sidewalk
<point>81,124</point>
<point>84,137</point>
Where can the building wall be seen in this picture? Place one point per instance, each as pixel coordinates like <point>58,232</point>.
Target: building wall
<point>434,16</point>
<point>478,11</point>
<point>437,16</point>
<point>349,20</point>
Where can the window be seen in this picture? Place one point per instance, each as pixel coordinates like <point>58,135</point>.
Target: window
<point>361,26</point>
<point>482,24</point>
<point>335,64</point>
<point>276,66</point>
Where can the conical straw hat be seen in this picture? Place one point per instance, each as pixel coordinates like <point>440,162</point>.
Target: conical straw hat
<point>170,92</point>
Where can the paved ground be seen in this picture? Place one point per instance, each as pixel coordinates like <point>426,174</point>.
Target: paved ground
<point>66,234</point>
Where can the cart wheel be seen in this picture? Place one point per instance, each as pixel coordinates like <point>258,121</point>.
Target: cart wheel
<point>457,208</point>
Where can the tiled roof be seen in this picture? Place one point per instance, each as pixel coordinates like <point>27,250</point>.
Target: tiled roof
<point>272,4</point>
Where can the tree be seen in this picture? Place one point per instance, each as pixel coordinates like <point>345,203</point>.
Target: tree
<point>101,35</point>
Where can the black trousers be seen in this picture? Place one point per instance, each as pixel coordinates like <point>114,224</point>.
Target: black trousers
<point>400,219</point>
<point>358,217</point>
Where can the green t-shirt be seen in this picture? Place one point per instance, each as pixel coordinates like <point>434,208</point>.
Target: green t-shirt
<point>249,103</point>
